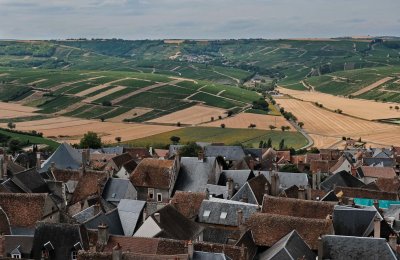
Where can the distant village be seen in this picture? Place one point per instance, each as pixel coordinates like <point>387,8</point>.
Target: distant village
<point>224,202</point>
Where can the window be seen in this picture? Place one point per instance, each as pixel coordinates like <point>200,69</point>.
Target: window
<point>223,215</point>
<point>45,254</point>
<point>74,255</point>
<point>16,256</point>
<point>151,194</point>
<point>159,197</point>
<point>206,213</point>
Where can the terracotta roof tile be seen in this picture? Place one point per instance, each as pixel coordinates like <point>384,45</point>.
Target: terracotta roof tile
<point>23,209</point>
<point>133,244</point>
<point>365,193</point>
<point>153,173</point>
<point>188,203</point>
<point>296,207</point>
<point>378,172</point>
<point>388,185</point>
<point>269,228</point>
<point>138,152</point>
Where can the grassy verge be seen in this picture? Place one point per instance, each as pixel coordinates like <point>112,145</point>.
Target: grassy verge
<point>30,139</point>
<point>228,136</point>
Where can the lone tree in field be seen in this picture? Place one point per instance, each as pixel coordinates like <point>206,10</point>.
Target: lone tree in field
<point>106,103</point>
<point>301,124</point>
<point>118,139</point>
<point>272,127</point>
<point>222,125</point>
<point>390,107</point>
<point>252,126</point>
<point>90,140</point>
<point>175,139</point>
<point>102,119</point>
<point>397,108</point>
<point>283,128</point>
<point>178,124</point>
<point>11,125</point>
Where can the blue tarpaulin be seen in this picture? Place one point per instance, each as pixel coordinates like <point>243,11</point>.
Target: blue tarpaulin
<point>384,204</point>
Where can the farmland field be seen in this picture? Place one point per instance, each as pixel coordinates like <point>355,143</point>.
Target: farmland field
<point>228,136</point>
<point>325,123</point>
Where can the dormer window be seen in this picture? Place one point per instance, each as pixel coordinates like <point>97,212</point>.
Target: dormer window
<point>159,197</point>
<point>74,255</point>
<point>16,256</point>
<point>151,193</point>
<point>223,215</point>
<point>44,254</point>
<point>206,213</point>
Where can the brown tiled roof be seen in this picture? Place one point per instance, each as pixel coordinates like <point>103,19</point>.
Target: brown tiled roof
<point>365,193</point>
<point>153,173</point>
<point>296,207</point>
<point>161,152</point>
<point>188,203</point>
<point>23,209</point>
<point>320,166</point>
<point>269,228</point>
<point>138,245</point>
<point>313,157</point>
<point>130,166</point>
<point>138,152</point>
<point>388,185</point>
<point>378,172</point>
<point>87,184</point>
<point>293,192</point>
<point>121,159</point>
<point>337,165</point>
<point>257,185</point>
<point>4,223</point>
<point>283,154</point>
<point>298,159</point>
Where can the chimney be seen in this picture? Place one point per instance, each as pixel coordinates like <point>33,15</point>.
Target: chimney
<point>207,194</point>
<point>38,160</point>
<point>376,205</point>
<point>314,181</point>
<point>275,184</point>
<point>377,227</point>
<point>320,249</point>
<point>319,179</point>
<point>2,169</point>
<point>117,252</point>
<point>102,234</point>
<point>350,202</point>
<point>84,160</point>
<point>266,188</point>
<point>309,193</point>
<point>190,249</point>
<point>157,217</point>
<point>52,166</point>
<point>96,208</point>
<point>239,217</point>
<point>393,241</point>
<point>251,164</point>
<point>88,156</point>
<point>229,185</point>
<point>301,193</point>
<point>200,156</point>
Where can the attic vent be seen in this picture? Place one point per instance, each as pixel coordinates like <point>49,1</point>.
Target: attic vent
<point>223,215</point>
<point>113,195</point>
<point>206,213</point>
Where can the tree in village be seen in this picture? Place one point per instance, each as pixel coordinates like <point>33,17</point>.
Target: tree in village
<point>175,139</point>
<point>282,144</point>
<point>90,140</point>
<point>261,144</point>
<point>118,139</point>
<point>269,143</point>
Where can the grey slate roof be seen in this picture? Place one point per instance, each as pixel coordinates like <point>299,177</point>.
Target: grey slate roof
<point>22,243</point>
<point>349,221</point>
<point>32,180</point>
<point>116,189</point>
<point>349,248</point>
<point>107,150</point>
<point>291,246</point>
<point>198,255</point>
<point>342,179</point>
<point>130,212</point>
<point>224,212</point>
<point>111,219</point>
<point>384,162</point>
<point>239,177</point>
<point>65,157</point>
<point>245,192</point>
<point>218,191</point>
<point>85,214</point>
<point>287,179</point>
<point>173,149</point>
<point>194,174</point>
<point>230,153</point>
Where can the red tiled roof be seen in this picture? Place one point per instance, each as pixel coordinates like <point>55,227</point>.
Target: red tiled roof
<point>365,193</point>
<point>270,228</point>
<point>153,173</point>
<point>138,245</point>
<point>388,185</point>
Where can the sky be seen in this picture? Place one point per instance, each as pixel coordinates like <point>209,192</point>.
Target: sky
<point>197,19</point>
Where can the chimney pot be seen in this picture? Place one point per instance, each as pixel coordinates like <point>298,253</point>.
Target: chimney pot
<point>377,227</point>
<point>190,249</point>
<point>102,234</point>
<point>393,242</point>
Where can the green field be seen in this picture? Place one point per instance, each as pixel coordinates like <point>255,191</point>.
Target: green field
<point>29,140</point>
<point>228,136</point>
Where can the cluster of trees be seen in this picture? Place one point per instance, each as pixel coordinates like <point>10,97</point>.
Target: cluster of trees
<point>395,107</point>
<point>266,144</point>
<point>288,115</point>
<point>260,104</point>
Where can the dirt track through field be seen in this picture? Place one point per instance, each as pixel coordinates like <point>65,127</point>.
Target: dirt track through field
<point>372,86</point>
<point>319,121</point>
<point>99,87</point>
<point>133,93</point>
<point>138,111</point>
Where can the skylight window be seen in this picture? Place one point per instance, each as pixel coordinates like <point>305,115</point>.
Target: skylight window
<point>223,215</point>
<point>206,213</point>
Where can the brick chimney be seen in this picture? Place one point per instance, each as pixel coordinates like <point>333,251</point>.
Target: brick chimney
<point>309,193</point>
<point>314,181</point>
<point>251,164</point>
<point>320,248</point>
<point>102,234</point>
<point>84,160</point>
<point>377,227</point>
<point>301,193</point>
<point>319,179</point>
<point>229,185</point>
<point>266,189</point>
<point>117,252</point>
<point>239,217</point>
<point>207,194</point>
<point>393,242</point>
<point>200,156</point>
